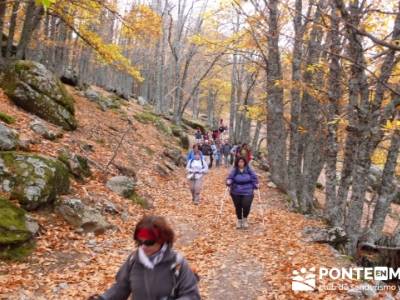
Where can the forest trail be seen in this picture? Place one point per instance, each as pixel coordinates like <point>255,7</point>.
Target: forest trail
<point>256,263</point>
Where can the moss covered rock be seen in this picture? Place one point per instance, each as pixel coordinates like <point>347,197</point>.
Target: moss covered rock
<point>16,235</point>
<point>77,164</point>
<point>32,179</point>
<point>34,88</point>
<point>13,229</point>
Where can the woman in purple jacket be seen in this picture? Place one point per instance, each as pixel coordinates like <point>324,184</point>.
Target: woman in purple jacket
<point>242,181</point>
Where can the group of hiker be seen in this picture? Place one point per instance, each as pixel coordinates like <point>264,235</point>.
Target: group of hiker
<point>215,134</point>
<point>154,271</point>
<point>220,152</point>
<point>241,181</point>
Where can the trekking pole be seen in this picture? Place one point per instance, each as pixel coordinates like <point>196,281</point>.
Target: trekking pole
<point>222,204</point>
<point>262,209</point>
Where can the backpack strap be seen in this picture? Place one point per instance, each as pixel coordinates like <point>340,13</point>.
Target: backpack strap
<point>131,260</point>
<point>176,269</point>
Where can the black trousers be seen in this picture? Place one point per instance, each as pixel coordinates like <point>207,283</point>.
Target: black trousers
<point>242,205</point>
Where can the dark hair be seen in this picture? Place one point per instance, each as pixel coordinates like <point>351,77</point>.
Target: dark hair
<point>239,159</point>
<point>159,226</point>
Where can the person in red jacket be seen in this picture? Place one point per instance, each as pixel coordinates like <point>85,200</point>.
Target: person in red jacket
<point>244,151</point>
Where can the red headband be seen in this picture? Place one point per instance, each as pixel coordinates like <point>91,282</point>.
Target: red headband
<point>148,234</point>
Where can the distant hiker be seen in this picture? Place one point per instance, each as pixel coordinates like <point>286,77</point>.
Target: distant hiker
<point>215,134</point>
<point>206,136</point>
<point>234,151</point>
<point>222,128</point>
<point>244,151</point>
<point>196,168</point>
<point>154,271</point>
<point>242,181</point>
<point>218,153</point>
<point>226,151</point>
<point>207,152</point>
<point>214,153</point>
<point>195,149</point>
<point>198,136</point>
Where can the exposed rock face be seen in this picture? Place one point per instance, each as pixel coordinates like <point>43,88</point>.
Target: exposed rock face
<point>34,88</point>
<point>32,179</point>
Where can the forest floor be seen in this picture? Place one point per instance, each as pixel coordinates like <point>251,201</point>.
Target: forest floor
<point>256,263</point>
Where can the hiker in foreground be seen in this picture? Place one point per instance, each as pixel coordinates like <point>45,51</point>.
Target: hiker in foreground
<point>154,271</point>
<point>242,181</point>
<point>196,168</point>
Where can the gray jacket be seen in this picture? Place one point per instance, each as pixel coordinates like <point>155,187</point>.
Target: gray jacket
<point>134,279</point>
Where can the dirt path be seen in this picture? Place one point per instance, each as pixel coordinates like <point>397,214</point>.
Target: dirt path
<point>241,264</point>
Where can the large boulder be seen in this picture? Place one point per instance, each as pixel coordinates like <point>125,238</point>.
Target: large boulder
<point>32,179</point>
<point>122,185</point>
<point>16,231</point>
<point>8,138</point>
<point>82,216</point>
<point>34,88</point>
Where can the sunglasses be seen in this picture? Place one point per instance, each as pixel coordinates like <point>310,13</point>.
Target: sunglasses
<point>146,242</point>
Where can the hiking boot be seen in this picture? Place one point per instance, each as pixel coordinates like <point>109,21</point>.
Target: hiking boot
<point>244,223</point>
<point>239,224</point>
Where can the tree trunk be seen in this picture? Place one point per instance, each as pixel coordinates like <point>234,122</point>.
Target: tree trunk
<point>276,130</point>
<point>332,208</point>
<point>233,100</point>
<point>32,18</point>
<point>3,7</point>
<point>294,163</point>
<point>256,137</point>
<point>387,190</point>
<point>11,32</point>
<point>196,104</point>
